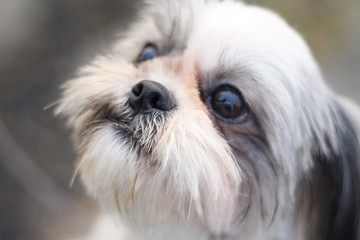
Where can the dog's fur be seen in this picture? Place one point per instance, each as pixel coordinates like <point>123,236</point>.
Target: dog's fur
<point>290,171</point>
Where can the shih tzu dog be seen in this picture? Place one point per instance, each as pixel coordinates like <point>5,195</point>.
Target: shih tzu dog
<point>211,120</point>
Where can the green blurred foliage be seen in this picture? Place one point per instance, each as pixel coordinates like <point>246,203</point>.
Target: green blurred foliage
<point>323,23</point>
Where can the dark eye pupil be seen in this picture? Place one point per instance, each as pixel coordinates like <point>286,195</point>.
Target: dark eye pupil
<point>228,103</point>
<point>149,52</point>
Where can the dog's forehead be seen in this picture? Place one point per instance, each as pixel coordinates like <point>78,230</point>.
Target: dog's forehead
<point>230,35</point>
<point>222,35</point>
<point>172,24</point>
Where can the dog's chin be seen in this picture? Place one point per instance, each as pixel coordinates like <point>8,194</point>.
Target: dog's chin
<point>159,167</point>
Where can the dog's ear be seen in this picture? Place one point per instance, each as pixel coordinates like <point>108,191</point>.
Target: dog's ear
<point>333,185</point>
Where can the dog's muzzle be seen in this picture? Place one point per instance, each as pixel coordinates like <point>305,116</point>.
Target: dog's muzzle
<point>148,97</point>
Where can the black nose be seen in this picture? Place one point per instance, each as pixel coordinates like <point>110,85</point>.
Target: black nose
<point>149,96</point>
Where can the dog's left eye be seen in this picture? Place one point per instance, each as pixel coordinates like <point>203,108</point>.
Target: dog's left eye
<point>228,104</point>
<point>149,52</point>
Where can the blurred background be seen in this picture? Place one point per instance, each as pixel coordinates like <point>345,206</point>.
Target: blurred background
<point>42,43</point>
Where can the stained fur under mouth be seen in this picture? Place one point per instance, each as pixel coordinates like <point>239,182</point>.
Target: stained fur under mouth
<point>140,131</point>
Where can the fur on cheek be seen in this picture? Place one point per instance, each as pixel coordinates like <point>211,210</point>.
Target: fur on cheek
<point>190,175</point>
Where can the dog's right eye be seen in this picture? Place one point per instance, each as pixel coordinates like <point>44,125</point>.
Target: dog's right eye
<point>228,104</point>
<point>149,52</point>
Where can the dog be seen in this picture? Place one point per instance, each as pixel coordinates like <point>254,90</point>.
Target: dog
<point>211,120</point>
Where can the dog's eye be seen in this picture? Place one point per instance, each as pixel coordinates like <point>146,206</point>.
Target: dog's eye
<point>228,104</point>
<point>149,52</point>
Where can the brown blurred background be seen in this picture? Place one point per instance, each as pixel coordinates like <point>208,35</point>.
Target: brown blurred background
<point>42,43</point>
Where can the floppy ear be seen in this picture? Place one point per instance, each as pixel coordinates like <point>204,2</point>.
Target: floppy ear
<point>331,191</point>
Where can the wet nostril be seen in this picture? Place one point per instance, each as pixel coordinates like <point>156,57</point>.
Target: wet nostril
<point>137,89</point>
<point>155,101</point>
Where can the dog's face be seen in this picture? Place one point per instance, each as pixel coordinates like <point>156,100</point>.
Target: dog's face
<point>204,113</point>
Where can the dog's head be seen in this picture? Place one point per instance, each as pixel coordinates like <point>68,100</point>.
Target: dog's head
<point>206,112</point>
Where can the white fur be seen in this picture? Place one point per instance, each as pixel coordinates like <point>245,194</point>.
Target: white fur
<point>190,186</point>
